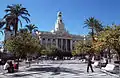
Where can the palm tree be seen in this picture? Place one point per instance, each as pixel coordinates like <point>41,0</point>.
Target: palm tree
<point>14,12</point>
<point>12,18</point>
<point>31,27</point>
<point>94,25</point>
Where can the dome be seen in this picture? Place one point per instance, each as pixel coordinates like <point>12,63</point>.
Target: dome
<point>52,31</point>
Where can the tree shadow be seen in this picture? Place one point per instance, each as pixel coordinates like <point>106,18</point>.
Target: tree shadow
<point>23,74</point>
<point>41,65</point>
<point>56,70</point>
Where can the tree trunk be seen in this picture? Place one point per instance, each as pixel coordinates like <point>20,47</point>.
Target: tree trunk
<point>109,55</point>
<point>15,28</point>
<point>92,34</point>
<point>28,60</point>
<point>29,64</point>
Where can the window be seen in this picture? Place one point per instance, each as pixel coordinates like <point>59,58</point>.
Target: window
<point>53,40</point>
<point>48,39</point>
<point>43,39</point>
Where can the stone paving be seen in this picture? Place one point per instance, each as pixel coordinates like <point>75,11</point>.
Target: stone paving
<point>57,69</point>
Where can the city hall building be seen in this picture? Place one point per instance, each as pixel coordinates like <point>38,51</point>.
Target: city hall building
<point>59,36</point>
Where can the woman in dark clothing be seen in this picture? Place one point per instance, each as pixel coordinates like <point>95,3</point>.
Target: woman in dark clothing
<point>89,65</point>
<point>11,68</point>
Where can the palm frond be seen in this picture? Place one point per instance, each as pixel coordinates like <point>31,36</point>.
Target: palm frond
<point>35,27</point>
<point>6,15</point>
<point>1,32</point>
<point>26,19</point>
<point>7,10</point>
<point>85,26</point>
<point>26,14</point>
<point>15,11</point>
<point>9,6</point>
<point>20,22</point>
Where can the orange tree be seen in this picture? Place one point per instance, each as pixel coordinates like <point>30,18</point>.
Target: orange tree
<point>82,47</point>
<point>22,44</point>
<point>109,38</point>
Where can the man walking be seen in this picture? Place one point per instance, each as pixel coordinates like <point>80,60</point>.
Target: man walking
<point>89,64</point>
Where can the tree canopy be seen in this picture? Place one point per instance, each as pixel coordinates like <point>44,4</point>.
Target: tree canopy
<point>110,37</point>
<point>31,27</point>
<point>22,44</point>
<point>82,47</point>
<point>12,18</point>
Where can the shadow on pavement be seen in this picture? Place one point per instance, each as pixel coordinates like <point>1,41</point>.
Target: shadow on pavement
<point>41,65</point>
<point>56,70</point>
<point>23,74</point>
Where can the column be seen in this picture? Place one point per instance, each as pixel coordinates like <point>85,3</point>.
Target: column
<point>70,45</point>
<point>46,40</point>
<point>61,44</point>
<point>51,41</point>
<point>56,42</point>
<point>40,40</point>
<point>66,45</point>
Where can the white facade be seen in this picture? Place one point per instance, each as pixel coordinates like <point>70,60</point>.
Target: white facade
<point>59,37</point>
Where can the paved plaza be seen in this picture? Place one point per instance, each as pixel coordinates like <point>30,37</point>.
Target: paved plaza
<point>58,69</point>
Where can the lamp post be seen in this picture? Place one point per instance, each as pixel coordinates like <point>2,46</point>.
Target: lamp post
<point>84,43</point>
<point>84,39</point>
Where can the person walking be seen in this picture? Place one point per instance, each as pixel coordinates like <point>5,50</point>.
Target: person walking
<point>37,60</point>
<point>89,65</point>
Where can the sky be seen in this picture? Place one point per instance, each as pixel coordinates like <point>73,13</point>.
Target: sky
<point>75,12</point>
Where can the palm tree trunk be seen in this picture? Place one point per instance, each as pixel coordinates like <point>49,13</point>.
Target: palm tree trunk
<point>93,39</point>
<point>92,34</point>
<point>16,26</point>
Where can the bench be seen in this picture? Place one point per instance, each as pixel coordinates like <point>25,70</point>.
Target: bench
<point>111,68</point>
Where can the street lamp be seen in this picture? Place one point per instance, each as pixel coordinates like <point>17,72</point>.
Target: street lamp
<point>84,39</point>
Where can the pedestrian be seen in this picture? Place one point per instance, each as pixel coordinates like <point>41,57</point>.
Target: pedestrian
<point>15,65</point>
<point>37,60</point>
<point>10,68</point>
<point>6,66</point>
<point>89,64</point>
